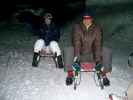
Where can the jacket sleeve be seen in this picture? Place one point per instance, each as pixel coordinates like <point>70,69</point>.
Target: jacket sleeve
<point>76,39</point>
<point>98,46</point>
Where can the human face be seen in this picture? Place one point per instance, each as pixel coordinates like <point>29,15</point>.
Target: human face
<point>48,20</point>
<point>87,22</point>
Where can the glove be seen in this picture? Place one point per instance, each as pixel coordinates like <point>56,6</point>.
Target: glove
<point>76,64</point>
<point>98,67</point>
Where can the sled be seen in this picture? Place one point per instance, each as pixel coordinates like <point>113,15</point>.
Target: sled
<point>87,67</point>
<point>98,78</point>
<point>45,53</point>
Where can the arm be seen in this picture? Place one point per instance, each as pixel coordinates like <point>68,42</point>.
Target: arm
<point>98,46</point>
<point>76,39</point>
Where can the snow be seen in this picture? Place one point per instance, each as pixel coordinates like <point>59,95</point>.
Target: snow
<point>24,82</point>
<point>20,81</point>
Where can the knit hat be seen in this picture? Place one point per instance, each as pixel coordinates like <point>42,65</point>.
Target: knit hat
<point>87,14</point>
<point>48,15</point>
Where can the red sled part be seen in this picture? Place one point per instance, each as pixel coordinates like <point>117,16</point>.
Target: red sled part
<point>88,66</point>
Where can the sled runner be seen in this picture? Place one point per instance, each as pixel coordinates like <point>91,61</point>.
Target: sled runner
<point>79,68</point>
<point>44,53</point>
<point>87,67</point>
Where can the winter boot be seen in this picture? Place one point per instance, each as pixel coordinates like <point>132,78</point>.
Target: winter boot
<point>60,61</point>
<point>106,81</point>
<point>36,59</point>
<point>69,79</point>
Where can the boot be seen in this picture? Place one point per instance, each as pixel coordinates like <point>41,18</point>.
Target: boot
<point>36,59</point>
<point>106,81</point>
<point>69,79</point>
<point>60,61</point>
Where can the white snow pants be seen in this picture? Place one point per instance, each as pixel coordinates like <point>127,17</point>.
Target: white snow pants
<point>53,46</point>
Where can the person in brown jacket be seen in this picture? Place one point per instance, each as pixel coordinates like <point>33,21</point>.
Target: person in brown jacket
<point>87,40</point>
<point>87,43</point>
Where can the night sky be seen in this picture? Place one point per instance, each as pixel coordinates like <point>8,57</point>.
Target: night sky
<point>62,9</point>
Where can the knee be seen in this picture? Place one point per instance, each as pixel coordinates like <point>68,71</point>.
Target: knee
<point>40,41</point>
<point>54,44</point>
<point>106,70</point>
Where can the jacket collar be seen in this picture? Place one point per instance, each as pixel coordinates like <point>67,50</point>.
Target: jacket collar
<point>84,29</point>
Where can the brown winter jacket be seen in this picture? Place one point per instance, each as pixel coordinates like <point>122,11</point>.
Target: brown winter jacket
<point>87,43</point>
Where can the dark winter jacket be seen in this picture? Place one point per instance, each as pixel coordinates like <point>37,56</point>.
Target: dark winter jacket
<point>87,43</point>
<point>49,33</point>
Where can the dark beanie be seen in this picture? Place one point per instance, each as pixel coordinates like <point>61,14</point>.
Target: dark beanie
<point>88,13</point>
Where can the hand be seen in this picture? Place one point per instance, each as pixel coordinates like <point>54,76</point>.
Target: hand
<point>99,67</point>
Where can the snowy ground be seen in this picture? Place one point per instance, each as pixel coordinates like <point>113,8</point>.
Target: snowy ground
<point>20,81</point>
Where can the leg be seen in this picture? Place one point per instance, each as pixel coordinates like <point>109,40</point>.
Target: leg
<point>107,64</point>
<point>54,47</point>
<point>39,44</point>
<point>107,59</point>
<point>68,58</point>
<point>37,48</point>
<point>68,61</point>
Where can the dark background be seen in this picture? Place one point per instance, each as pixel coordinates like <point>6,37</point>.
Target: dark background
<point>61,9</point>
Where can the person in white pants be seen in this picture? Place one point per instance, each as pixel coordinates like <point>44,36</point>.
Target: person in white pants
<point>53,46</point>
<point>49,36</point>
